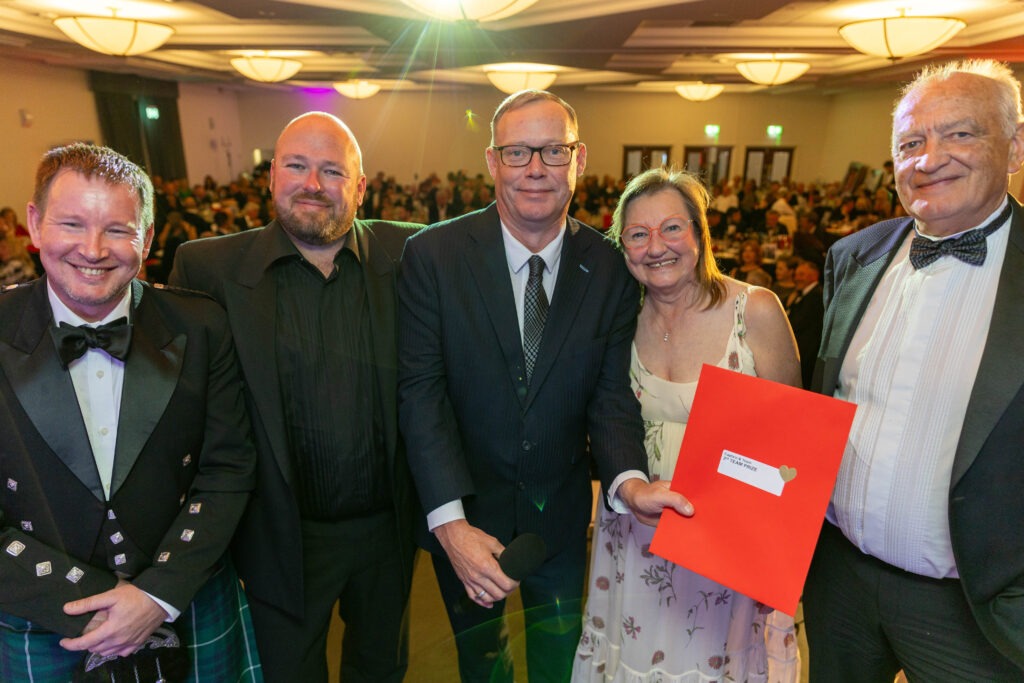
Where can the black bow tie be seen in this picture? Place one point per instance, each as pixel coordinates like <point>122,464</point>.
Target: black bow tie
<point>970,247</point>
<point>72,342</point>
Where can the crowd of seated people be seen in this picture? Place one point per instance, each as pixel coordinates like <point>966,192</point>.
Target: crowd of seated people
<point>805,218</point>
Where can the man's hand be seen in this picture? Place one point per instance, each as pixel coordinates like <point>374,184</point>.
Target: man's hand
<point>473,555</point>
<point>646,501</point>
<point>125,616</point>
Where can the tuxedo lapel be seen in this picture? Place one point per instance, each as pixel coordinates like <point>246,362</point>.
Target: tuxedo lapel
<point>151,374</point>
<point>998,380</point>
<point>857,281</point>
<point>45,390</point>
<point>489,266</point>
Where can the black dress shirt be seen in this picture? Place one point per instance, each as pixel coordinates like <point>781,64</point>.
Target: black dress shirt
<point>328,386</point>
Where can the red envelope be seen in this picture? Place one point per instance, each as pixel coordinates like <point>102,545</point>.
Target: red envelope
<point>758,462</point>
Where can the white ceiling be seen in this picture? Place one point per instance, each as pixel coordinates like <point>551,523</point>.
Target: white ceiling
<point>625,45</point>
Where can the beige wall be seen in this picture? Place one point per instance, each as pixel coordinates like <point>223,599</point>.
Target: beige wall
<point>211,132</point>
<point>395,137</point>
<point>410,135</point>
<point>59,108</point>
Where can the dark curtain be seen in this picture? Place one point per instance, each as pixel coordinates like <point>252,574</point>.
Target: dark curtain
<point>139,118</point>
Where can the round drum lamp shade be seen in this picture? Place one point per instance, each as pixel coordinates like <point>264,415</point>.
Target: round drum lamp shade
<point>469,10</point>
<point>266,69</point>
<point>511,77</point>
<point>357,90</point>
<point>114,35</point>
<point>699,92</point>
<point>771,71</point>
<point>896,37</point>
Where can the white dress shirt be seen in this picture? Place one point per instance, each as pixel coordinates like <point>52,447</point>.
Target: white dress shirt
<point>910,369</point>
<point>98,378</point>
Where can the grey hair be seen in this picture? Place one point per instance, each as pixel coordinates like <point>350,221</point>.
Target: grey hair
<point>1007,87</point>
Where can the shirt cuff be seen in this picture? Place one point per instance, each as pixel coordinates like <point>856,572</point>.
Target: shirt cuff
<point>449,512</point>
<point>172,613</point>
<point>616,503</point>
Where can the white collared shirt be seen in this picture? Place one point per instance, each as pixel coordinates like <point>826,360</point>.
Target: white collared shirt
<point>910,369</point>
<point>518,257</point>
<point>98,378</point>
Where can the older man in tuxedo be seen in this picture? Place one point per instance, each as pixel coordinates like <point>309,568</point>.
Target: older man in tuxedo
<point>125,456</point>
<point>311,301</point>
<point>920,565</point>
<point>499,392</point>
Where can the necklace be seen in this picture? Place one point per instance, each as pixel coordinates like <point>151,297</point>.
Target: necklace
<point>665,330</point>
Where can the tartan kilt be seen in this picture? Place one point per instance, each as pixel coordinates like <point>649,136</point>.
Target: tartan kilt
<point>215,628</point>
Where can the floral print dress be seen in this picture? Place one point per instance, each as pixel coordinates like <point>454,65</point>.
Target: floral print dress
<point>651,621</point>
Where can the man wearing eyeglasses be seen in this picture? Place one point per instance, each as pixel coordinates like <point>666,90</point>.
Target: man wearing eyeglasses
<point>515,325</point>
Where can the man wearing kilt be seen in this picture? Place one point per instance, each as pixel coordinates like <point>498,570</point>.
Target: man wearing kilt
<point>125,451</point>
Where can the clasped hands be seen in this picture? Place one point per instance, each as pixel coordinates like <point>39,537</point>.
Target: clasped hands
<point>124,617</point>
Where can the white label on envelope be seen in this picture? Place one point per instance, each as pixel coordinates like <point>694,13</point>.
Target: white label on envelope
<point>752,472</point>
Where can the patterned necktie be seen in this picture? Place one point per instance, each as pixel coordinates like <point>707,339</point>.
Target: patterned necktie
<point>535,312</point>
<point>969,247</point>
<point>72,342</point>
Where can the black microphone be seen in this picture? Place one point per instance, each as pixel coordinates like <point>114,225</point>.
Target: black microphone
<point>520,558</point>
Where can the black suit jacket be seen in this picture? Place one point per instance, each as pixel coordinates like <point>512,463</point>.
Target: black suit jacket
<point>234,270</point>
<point>515,454</point>
<point>183,459</point>
<point>806,316</point>
<point>986,508</point>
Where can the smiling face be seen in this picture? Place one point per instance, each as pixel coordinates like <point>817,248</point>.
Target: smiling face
<point>533,200</point>
<point>952,154</point>
<point>316,179</point>
<point>804,275</point>
<point>90,241</point>
<point>662,267</point>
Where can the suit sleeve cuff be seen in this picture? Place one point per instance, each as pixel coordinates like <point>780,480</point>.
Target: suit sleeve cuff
<point>449,512</point>
<point>616,503</point>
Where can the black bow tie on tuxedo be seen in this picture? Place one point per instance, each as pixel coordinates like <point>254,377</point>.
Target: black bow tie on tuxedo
<point>114,337</point>
<point>970,247</point>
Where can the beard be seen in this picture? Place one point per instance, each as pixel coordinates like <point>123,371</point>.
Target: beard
<point>318,229</point>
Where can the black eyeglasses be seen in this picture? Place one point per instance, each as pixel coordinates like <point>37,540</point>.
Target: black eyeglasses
<point>522,155</point>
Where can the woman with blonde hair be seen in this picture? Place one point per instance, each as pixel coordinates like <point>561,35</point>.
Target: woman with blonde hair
<point>648,619</point>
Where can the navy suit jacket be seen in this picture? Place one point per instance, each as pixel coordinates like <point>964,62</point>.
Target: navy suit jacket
<point>516,454</point>
<point>986,507</point>
<point>183,464</point>
<point>234,270</point>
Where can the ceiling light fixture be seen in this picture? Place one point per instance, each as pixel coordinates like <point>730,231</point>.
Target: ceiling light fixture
<point>357,90</point>
<point>266,68</point>
<point>511,77</point>
<point>469,10</point>
<point>772,71</point>
<point>902,36</point>
<point>697,91</point>
<point>114,35</point>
